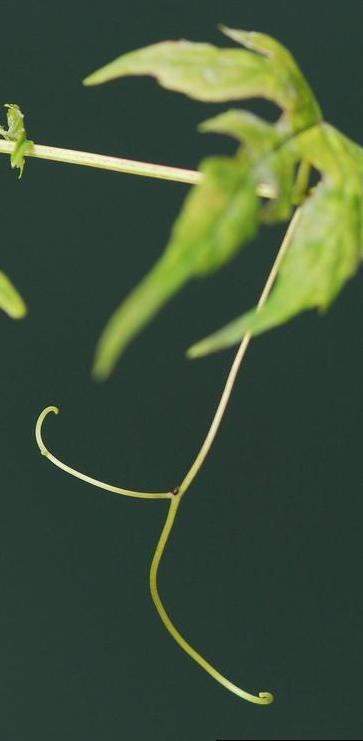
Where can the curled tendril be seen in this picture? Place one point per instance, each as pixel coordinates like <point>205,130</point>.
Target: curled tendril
<point>89,479</point>
<point>175,497</point>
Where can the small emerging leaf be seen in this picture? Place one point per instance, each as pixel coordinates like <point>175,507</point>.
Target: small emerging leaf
<point>10,300</point>
<point>270,159</point>
<point>247,128</point>
<point>16,133</point>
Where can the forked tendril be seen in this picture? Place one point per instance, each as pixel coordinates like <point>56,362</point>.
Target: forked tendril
<point>263,698</point>
<point>175,496</point>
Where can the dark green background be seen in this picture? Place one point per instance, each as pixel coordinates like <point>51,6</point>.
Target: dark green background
<point>264,569</point>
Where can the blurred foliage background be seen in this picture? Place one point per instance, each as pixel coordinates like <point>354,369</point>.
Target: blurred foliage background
<point>263,574</point>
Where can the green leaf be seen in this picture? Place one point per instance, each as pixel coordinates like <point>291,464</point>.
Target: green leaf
<point>223,213</point>
<point>324,253</point>
<point>199,70</point>
<point>270,157</point>
<point>246,127</point>
<point>301,106</point>
<point>10,300</point>
<point>207,73</point>
<point>16,133</point>
<point>219,215</point>
<point>218,218</point>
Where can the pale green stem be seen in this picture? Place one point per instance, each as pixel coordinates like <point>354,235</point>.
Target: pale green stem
<point>117,164</point>
<point>217,419</point>
<point>105,162</point>
<point>89,480</point>
<point>263,698</point>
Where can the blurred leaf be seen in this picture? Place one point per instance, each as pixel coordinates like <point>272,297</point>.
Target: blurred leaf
<point>199,70</point>
<point>219,215</point>
<point>207,73</point>
<point>222,213</point>
<point>324,253</point>
<point>325,249</point>
<point>10,300</point>
<point>246,127</point>
<point>271,159</point>
<point>16,133</point>
<point>301,107</point>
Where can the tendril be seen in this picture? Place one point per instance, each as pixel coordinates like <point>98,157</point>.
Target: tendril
<point>175,495</point>
<point>263,698</point>
<point>84,477</point>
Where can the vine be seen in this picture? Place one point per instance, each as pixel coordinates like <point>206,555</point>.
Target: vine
<point>266,181</point>
<point>175,496</point>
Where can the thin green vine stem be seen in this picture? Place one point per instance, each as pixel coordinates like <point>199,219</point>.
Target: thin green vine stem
<point>118,164</point>
<point>106,162</point>
<point>175,497</point>
<point>263,698</point>
<point>231,378</point>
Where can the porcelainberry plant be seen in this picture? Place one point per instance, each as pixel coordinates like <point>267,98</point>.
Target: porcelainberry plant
<point>268,180</point>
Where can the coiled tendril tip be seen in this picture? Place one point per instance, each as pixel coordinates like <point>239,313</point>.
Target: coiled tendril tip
<point>38,428</point>
<point>84,477</point>
<point>266,697</point>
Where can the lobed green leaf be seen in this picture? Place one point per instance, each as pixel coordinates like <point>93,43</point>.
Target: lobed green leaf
<point>224,212</point>
<point>326,247</point>
<point>324,253</point>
